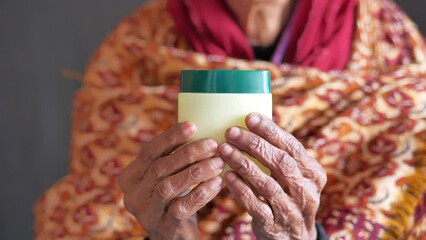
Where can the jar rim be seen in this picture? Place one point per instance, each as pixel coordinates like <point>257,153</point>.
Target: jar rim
<point>225,81</point>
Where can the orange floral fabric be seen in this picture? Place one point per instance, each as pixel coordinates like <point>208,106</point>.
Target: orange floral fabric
<point>366,125</point>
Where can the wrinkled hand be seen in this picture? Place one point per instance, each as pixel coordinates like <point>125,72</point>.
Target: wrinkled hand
<point>283,205</point>
<point>153,184</point>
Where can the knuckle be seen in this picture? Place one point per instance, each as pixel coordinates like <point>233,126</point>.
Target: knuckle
<point>288,165</point>
<point>271,187</point>
<point>272,132</point>
<point>317,174</point>
<point>174,134</point>
<point>145,152</point>
<point>157,170</point>
<point>298,192</point>
<point>312,203</point>
<point>322,179</point>
<point>214,166</point>
<point>311,210</point>
<point>245,167</point>
<point>208,145</point>
<point>178,211</point>
<point>261,210</point>
<point>274,155</point>
<point>195,172</point>
<point>246,194</point>
<point>296,145</point>
<point>200,194</point>
<point>285,159</point>
<point>188,152</point>
<point>314,206</point>
<point>290,142</point>
<point>265,150</point>
<point>284,141</point>
<point>295,216</point>
<point>164,190</point>
<point>255,143</point>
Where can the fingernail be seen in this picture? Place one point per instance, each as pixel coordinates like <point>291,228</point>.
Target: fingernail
<point>218,163</point>
<point>188,128</point>
<point>234,133</point>
<point>226,150</point>
<point>253,121</point>
<point>211,145</point>
<point>231,177</point>
<point>217,182</point>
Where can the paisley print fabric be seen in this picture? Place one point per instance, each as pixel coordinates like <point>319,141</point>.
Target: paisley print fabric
<point>366,125</point>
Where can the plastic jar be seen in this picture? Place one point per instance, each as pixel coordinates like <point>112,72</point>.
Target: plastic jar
<point>215,100</point>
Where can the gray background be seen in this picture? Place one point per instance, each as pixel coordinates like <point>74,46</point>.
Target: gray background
<point>38,39</point>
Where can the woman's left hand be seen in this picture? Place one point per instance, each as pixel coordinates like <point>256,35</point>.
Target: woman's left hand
<point>283,205</point>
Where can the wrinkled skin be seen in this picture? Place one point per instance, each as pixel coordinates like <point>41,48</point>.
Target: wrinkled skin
<point>283,205</point>
<point>154,183</point>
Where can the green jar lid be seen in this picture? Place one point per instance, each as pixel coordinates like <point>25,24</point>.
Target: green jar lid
<point>225,81</point>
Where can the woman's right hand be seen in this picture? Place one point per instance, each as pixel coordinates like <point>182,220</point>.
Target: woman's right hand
<point>154,183</point>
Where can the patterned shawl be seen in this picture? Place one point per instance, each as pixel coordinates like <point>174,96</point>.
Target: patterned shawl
<point>366,125</point>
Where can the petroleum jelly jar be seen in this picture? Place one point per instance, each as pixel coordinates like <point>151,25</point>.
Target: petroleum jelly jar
<point>215,100</point>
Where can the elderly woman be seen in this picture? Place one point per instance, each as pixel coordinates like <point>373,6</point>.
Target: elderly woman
<point>349,100</point>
